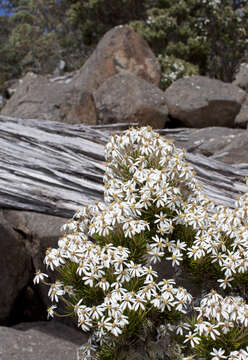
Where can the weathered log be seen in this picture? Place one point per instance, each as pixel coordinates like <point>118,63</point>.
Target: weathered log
<point>54,168</point>
<point>48,167</point>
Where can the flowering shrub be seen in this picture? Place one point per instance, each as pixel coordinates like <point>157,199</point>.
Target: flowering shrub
<point>153,210</point>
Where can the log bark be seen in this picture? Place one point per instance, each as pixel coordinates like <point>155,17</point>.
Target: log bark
<point>54,168</point>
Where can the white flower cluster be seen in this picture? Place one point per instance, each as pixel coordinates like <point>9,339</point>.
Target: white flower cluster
<point>217,317</point>
<point>145,171</point>
<point>159,178</point>
<point>152,202</point>
<point>149,178</point>
<point>222,235</point>
<point>103,240</point>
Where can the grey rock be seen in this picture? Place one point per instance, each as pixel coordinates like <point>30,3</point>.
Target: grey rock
<point>198,101</point>
<point>41,340</point>
<point>39,97</point>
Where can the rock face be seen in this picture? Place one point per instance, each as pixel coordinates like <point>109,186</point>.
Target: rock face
<point>120,50</point>
<point>41,97</point>
<point>15,268</point>
<point>198,101</point>
<point>39,341</point>
<point>128,98</point>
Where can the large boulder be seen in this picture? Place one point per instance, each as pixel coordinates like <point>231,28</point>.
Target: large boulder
<point>120,50</point>
<point>41,340</point>
<point>241,119</point>
<point>15,266</point>
<point>127,98</point>
<point>198,101</point>
<point>42,97</point>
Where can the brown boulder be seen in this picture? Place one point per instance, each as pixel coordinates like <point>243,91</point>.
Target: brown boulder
<point>241,119</point>
<point>41,97</point>
<point>198,101</point>
<point>128,98</point>
<point>120,50</point>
